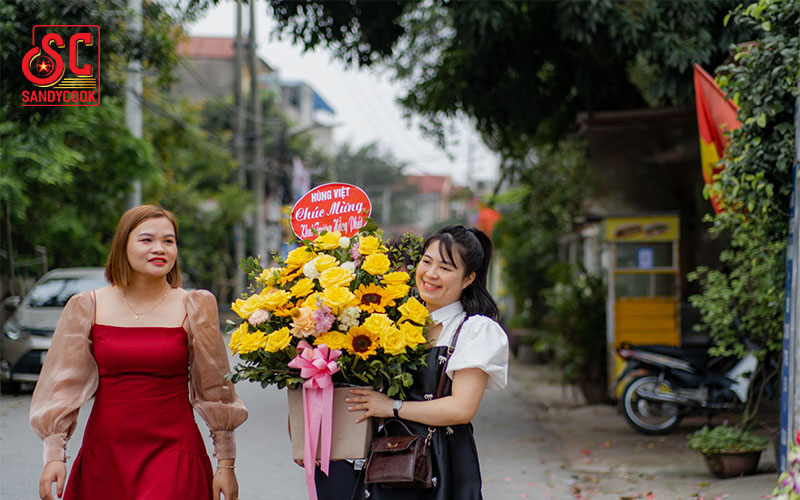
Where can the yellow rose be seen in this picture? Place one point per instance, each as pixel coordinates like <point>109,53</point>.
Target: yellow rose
<point>396,278</point>
<point>274,299</point>
<point>376,263</point>
<point>378,323</point>
<point>245,307</point>
<point>393,342</point>
<point>325,261</point>
<point>369,245</point>
<point>302,288</point>
<point>414,310</point>
<point>337,298</point>
<point>336,276</point>
<point>298,257</point>
<point>236,338</point>
<point>397,291</point>
<point>327,241</point>
<point>253,342</point>
<point>413,334</point>
<point>312,301</point>
<point>278,340</point>
<point>334,340</point>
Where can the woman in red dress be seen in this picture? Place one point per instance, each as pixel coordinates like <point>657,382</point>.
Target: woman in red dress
<point>150,353</point>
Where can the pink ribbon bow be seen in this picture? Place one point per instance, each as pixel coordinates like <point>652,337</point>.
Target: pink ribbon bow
<point>316,366</point>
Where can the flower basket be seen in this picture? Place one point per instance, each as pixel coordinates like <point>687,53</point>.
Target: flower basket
<point>336,310</point>
<point>350,439</point>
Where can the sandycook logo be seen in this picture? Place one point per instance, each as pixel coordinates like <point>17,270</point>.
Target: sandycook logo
<point>63,67</point>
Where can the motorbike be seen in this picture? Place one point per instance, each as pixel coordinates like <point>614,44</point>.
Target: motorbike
<point>663,384</point>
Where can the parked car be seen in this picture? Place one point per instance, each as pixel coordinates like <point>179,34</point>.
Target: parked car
<point>28,331</point>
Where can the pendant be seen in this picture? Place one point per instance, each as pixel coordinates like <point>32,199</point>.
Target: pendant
<point>135,316</point>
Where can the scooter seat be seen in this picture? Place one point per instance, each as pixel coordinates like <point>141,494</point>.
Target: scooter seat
<point>698,357</point>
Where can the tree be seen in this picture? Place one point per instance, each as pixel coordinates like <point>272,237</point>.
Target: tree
<point>551,184</point>
<point>196,181</point>
<point>66,170</point>
<point>742,304</point>
<point>522,70</point>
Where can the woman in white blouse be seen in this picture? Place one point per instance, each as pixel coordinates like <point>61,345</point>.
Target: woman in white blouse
<point>451,278</point>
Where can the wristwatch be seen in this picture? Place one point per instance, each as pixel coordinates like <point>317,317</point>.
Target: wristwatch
<point>396,405</point>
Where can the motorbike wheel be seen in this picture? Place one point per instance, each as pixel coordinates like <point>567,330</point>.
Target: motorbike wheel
<point>649,417</point>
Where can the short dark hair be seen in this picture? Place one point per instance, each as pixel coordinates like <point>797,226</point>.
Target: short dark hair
<point>118,269</point>
<point>475,249</point>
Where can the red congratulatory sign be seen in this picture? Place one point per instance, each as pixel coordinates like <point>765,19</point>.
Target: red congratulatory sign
<point>331,207</point>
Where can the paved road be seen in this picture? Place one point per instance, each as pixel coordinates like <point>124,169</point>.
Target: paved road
<point>518,457</point>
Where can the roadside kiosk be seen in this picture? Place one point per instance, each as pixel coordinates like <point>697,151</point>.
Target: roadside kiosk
<point>644,283</point>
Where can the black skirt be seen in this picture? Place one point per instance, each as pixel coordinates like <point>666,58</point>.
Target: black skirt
<point>453,451</point>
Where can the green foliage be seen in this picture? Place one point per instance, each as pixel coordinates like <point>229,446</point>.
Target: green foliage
<point>64,181</point>
<point>725,439</point>
<point>66,170</point>
<point>197,183</point>
<point>576,324</point>
<point>521,69</point>
<point>552,183</point>
<point>741,305</point>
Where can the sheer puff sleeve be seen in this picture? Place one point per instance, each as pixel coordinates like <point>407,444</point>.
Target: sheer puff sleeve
<point>482,344</point>
<point>213,397</point>
<point>68,378</point>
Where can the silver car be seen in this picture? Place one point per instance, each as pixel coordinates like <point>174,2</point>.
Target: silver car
<point>28,331</point>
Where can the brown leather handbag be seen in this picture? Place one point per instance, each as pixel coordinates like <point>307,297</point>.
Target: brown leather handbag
<point>400,461</point>
<point>405,461</point>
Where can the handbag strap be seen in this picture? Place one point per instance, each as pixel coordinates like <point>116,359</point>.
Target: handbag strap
<point>396,421</point>
<point>450,349</point>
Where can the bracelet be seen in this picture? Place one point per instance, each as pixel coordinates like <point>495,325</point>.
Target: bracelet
<point>225,466</point>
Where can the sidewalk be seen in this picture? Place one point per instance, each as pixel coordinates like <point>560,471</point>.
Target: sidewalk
<point>609,460</point>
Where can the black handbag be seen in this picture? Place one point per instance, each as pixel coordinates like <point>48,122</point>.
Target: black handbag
<point>404,461</point>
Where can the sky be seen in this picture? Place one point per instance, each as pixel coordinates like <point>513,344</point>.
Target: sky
<point>364,101</point>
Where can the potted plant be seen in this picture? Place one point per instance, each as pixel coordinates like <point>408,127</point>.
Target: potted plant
<point>729,451</point>
<point>576,326</point>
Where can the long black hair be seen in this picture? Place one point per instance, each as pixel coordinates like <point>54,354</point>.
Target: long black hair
<point>475,250</point>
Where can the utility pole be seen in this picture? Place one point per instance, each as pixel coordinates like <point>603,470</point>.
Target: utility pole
<point>259,233</point>
<point>133,94</point>
<point>238,144</point>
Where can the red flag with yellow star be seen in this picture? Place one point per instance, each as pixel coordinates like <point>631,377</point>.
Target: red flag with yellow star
<point>716,115</point>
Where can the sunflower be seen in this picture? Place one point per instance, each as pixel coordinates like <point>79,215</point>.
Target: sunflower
<point>373,298</point>
<point>361,342</point>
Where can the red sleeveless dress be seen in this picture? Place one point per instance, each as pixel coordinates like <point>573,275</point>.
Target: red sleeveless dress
<point>141,441</point>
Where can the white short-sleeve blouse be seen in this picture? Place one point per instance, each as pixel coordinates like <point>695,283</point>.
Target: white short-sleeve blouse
<point>482,344</point>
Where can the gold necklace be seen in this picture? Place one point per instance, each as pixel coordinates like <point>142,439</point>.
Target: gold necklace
<point>137,314</point>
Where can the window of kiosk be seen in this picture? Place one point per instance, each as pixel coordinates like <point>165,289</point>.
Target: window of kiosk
<point>644,285</point>
<point>645,269</point>
<point>644,255</point>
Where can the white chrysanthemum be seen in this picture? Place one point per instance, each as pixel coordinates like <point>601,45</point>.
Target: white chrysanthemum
<point>310,270</point>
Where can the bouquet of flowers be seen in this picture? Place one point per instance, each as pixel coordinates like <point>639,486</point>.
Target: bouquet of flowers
<point>346,297</point>
<point>789,481</point>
